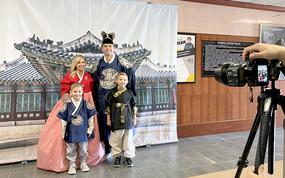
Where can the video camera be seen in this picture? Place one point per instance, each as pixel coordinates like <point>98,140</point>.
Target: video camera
<point>257,72</point>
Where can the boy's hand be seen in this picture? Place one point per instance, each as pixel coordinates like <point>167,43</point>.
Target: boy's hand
<point>135,121</point>
<point>108,121</point>
<point>63,128</point>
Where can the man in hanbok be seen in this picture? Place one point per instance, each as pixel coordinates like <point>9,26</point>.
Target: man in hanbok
<point>106,70</point>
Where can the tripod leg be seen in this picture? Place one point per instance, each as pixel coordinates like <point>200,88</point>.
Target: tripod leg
<point>264,129</point>
<point>243,162</point>
<point>281,102</point>
<point>271,143</point>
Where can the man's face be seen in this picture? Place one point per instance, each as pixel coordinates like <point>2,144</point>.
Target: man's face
<point>76,93</point>
<point>108,49</point>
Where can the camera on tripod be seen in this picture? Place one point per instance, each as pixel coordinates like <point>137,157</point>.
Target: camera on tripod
<point>256,72</point>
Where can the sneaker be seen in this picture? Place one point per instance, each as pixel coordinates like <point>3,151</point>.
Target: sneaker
<point>117,162</point>
<point>84,167</point>
<point>129,162</point>
<point>72,170</point>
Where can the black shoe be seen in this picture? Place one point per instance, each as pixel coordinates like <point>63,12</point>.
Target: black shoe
<point>117,162</point>
<point>129,162</point>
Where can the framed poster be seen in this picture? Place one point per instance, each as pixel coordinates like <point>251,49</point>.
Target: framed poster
<point>186,57</point>
<point>220,52</point>
<point>273,34</point>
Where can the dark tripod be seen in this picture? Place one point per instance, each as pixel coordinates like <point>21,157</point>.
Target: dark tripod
<point>265,117</point>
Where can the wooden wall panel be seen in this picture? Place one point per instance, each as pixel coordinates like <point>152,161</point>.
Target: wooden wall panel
<point>208,107</point>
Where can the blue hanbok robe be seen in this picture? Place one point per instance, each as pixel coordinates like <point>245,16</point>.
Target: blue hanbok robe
<point>77,123</point>
<point>104,81</point>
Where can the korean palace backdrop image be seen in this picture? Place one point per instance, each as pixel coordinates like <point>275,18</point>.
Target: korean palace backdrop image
<point>34,56</point>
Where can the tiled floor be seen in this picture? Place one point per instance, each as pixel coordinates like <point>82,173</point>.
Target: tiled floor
<point>189,157</point>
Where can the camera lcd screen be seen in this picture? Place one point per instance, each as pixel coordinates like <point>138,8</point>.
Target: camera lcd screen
<point>262,73</point>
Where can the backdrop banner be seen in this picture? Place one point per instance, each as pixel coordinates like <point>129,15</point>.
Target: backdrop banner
<point>38,38</point>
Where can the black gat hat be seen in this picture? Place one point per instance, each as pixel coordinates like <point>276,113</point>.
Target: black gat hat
<point>107,38</point>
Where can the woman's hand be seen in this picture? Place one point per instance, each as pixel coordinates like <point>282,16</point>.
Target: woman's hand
<point>65,98</point>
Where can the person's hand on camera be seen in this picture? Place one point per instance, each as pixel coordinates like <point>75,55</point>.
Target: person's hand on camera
<point>265,51</point>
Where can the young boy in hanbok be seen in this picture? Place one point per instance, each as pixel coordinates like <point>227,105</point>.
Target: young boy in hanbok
<point>121,118</point>
<point>77,126</point>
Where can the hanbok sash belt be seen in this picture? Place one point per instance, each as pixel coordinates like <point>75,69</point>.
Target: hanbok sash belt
<point>122,107</point>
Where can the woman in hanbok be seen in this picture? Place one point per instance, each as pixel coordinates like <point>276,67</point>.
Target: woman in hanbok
<point>51,153</point>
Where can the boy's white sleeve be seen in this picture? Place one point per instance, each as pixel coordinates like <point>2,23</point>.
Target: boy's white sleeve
<point>63,127</point>
<point>90,125</point>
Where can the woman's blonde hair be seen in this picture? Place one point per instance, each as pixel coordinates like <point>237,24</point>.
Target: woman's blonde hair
<point>74,62</point>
